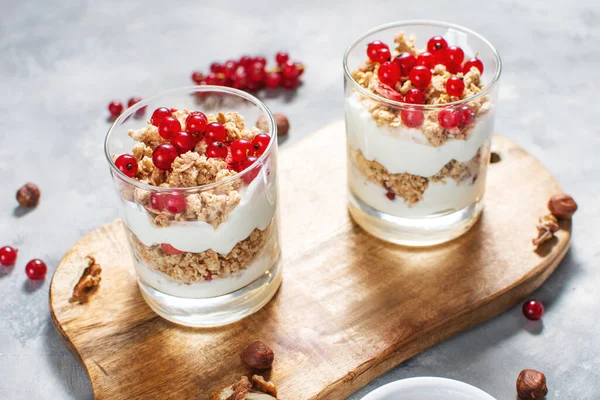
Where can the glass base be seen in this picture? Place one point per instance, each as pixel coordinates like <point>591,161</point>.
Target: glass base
<point>414,231</point>
<point>215,311</point>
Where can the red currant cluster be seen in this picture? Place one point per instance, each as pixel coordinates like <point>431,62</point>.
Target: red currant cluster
<point>115,107</point>
<point>418,69</point>
<point>251,73</point>
<point>35,269</point>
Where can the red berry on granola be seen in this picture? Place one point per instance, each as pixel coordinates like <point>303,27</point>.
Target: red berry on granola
<point>426,59</point>
<point>374,48</point>
<point>183,141</point>
<point>406,62</point>
<point>127,164</point>
<point>260,143</point>
<point>159,114</point>
<point>389,73</point>
<point>449,118</point>
<point>175,203</point>
<point>245,164</point>
<point>195,124</point>
<point>216,150</point>
<point>215,132</point>
<point>414,96</point>
<point>412,118</point>
<point>455,55</point>
<point>473,62</point>
<point>240,149</point>
<point>455,86</point>
<point>420,77</point>
<point>436,43</point>
<point>164,155</point>
<point>168,126</point>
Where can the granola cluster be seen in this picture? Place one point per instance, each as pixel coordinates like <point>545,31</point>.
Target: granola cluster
<point>435,94</point>
<point>206,265</point>
<point>411,187</point>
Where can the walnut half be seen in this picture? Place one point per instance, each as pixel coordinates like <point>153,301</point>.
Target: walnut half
<point>547,225</point>
<point>89,280</point>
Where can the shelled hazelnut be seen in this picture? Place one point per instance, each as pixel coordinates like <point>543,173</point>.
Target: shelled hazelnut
<point>531,385</point>
<point>258,356</point>
<point>28,195</point>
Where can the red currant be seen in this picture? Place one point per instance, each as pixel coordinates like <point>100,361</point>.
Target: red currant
<point>436,43</point>
<point>467,116</point>
<point>390,195</point>
<point>157,201</point>
<point>373,50</point>
<point>449,118</point>
<point>213,79</point>
<point>133,100</point>
<point>245,61</point>
<point>197,77</point>
<point>412,118</point>
<point>289,70</point>
<point>406,62</point>
<point>533,310</point>
<point>256,71</point>
<point>414,96</point>
<point>260,59</point>
<point>455,54</point>
<point>168,126</point>
<point>8,256</point>
<point>420,77</point>
<point>115,108</point>
<point>291,83</point>
<point>127,164</point>
<point>159,114</point>
<point>240,149</point>
<point>300,67</point>
<point>389,73</point>
<point>170,250</point>
<point>453,68</point>
<point>273,80</point>
<point>217,68</point>
<point>426,59</point>
<point>455,86</point>
<point>388,92</point>
<point>183,141</point>
<point>245,164</point>
<point>229,68</point>
<point>216,150</point>
<point>239,80</point>
<point>260,143</point>
<point>195,124</point>
<point>473,62</point>
<point>281,58</point>
<point>253,86</point>
<point>164,155</point>
<point>175,203</point>
<point>36,269</point>
<point>215,132</point>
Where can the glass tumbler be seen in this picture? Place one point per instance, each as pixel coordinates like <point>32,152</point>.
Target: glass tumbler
<point>416,170</point>
<point>205,255</point>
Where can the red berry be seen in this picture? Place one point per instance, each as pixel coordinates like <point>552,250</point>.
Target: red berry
<point>213,79</point>
<point>426,59</point>
<point>253,86</point>
<point>373,50</point>
<point>240,149</point>
<point>115,108</point>
<point>256,71</point>
<point>533,310</point>
<point>183,141</point>
<point>127,164</point>
<point>245,164</point>
<point>175,203</point>
<point>383,55</point>
<point>173,109</point>
<point>436,43</point>
<point>229,68</point>
<point>449,118</point>
<point>453,68</point>
<point>455,86</point>
<point>215,132</point>
<point>289,70</point>
<point>197,77</point>
<point>414,96</point>
<point>168,126</point>
<point>217,68</point>
<point>473,62</point>
<point>467,116</point>
<point>260,143</point>
<point>239,80</point>
<point>390,195</point>
<point>164,155</point>
<point>389,73</point>
<point>420,77</point>
<point>159,114</point>
<point>406,62</point>
<point>216,150</point>
<point>195,125</point>
<point>455,55</point>
<point>412,118</point>
<point>245,61</point>
<point>281,58</point>
<point>300,67</point>
<point>8,256</point>
<point>388,92</point>
<point>157,201</point>
<point>260,59</point>
<point>36,269</point>
<point>273,80</point>
<point>440,58</point>
<point>170,250</point>
<point>133,100</point>
<point>291,83</point>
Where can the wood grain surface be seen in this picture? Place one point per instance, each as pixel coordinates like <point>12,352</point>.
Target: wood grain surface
<point>350,307</point>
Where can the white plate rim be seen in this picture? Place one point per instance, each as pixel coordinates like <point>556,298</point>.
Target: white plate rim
<point>425,382</point>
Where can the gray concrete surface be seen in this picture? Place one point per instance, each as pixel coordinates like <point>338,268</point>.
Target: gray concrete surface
<point>62,61</point>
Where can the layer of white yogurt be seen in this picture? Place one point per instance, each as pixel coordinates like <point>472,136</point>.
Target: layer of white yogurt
<point>439,198</point>
<point>255,210</point>
<point>401,149</point>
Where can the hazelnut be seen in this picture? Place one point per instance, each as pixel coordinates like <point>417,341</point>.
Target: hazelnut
<point>283,125</point>
<point>257,355</point>
<point>531,385</point>
<point>28,195</point>
<point>562,205</point>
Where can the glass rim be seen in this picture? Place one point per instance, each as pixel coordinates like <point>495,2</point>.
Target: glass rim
<point>398,104</point>
<point>188,90</point>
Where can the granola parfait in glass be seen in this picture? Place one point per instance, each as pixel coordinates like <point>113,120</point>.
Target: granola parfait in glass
<point>420,99</point>
<point>198,186</point>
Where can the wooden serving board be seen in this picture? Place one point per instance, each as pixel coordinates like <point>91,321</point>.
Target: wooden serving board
<point>350,308</point>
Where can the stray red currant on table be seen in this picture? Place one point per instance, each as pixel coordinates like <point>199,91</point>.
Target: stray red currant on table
<point>8,256</point>
<point>216,150</point>
<point>115,108</point>
<point>127,164</point>
<point>281,58</point>
<point>36,269</point>
<point>390,195</point>
<point>455,86</point>
<point>197,77</point>
<point>533,310</point>
<point>164,155</point>
<point>159,114</point>
<point>273,80</point>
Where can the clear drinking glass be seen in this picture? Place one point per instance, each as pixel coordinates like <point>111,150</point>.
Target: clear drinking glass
<point>205,255</point>
<point>410,180</point>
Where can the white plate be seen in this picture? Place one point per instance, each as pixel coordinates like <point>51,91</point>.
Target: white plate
<point>427,388</point>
